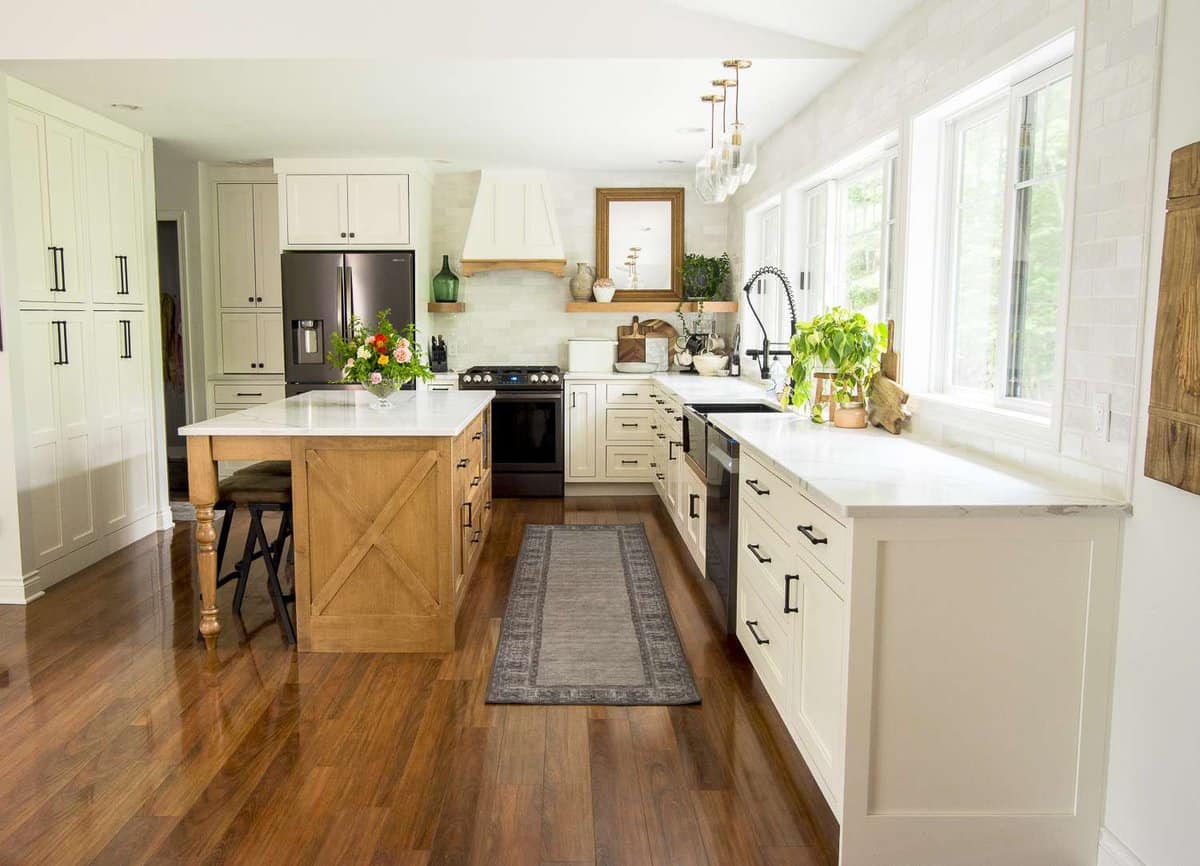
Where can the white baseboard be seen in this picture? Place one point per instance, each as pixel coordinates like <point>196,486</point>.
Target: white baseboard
<point>166,519</point>
<point>34,585</point>
<point>608,488</point>
<point>1114,852</point>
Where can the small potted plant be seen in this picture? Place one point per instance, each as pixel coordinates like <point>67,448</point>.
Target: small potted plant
<point>383,361</point>
<point>704,278</point>
<point>847,348</point>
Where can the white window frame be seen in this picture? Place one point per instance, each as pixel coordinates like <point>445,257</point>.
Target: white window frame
<point>1013,99</point>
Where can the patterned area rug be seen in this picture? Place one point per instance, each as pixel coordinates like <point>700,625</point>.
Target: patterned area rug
<point>587,622</point>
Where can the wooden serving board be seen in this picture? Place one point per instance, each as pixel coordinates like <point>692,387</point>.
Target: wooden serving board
<point>631,339</point>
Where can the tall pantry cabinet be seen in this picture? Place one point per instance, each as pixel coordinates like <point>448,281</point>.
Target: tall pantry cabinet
<point>83,359</point>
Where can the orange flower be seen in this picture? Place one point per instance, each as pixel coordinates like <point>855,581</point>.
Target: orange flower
<point>383,360</point>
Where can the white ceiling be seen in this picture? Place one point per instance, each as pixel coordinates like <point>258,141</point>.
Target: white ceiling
<point>548,83</point>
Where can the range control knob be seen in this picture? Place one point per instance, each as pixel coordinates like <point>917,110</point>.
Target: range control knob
<point>554,377</point>
<point>545,377</point>
<point>477,378</point>
<point>487,377</point>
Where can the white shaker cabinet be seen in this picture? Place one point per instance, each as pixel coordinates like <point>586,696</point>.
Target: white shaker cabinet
<point>248,246</point>
<point>268,276</point>
<point>252,343</point>
<point>114,217</point>
<point>581,432</point>
<point>315,206</point>
<point>56,376</point>
<point>124,455</point>
<point>47,168</point>
<point>347,209</point>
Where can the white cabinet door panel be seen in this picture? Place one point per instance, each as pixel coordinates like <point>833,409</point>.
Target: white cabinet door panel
<point>72,380</point>
<point>581,432</point>
<point>104,267</point>
<point>39,352</point>
<point>316,208</point>
<point>268,281</point>
<point>270,342</point>
<point>235,244</point>
<point>239,342</point>
<point>64,183</point>
<point>817,697</point>
<point>378,208</point>
<point>31,224</point>
<point>125,199</point>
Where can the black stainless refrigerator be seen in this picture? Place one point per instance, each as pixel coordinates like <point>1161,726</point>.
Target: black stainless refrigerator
<point>322,290</point>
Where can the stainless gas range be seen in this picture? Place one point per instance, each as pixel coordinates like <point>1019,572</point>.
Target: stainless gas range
<point>527,428</point>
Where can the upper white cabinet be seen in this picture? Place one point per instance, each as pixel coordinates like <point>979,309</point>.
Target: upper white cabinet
<point>251,343</point>
<point>248,245</point>
<point>47,167</point>
<point>347,210</point>
<point>114,221</point>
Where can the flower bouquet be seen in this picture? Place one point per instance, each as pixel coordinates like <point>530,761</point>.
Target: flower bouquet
<point>382,362</point>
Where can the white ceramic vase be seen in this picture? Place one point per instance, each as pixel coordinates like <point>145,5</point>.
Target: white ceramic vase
<point>604,289</point>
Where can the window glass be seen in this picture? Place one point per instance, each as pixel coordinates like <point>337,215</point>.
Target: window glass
<point>862,222</point>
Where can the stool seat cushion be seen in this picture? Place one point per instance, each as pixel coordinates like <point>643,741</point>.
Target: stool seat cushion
<point>270,467</point>
<point>246,488</point>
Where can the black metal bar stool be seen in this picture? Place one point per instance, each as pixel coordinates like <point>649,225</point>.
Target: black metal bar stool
<point>261,488</point>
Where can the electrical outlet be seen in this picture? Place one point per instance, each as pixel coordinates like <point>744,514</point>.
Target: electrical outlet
<point>1102,415</point>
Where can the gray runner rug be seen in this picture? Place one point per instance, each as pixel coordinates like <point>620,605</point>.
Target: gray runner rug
<point>588,623</point>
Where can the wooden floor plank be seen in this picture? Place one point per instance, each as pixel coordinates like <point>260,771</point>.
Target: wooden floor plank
<point>127,744</point>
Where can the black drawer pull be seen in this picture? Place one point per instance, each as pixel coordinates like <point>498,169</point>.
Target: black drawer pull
<point>464,463</point>
<point>475,481</point>
<point>629,463</point>
<point>659,476</point>
<point>629,393</point>
<point>671,450</point>
<point>487,506</point>
<point>692,498</point>
<point>787,593</point>
<point>807,531</point>
<point>477,436</point>
<point>470,517</point>
<point>750,624</point>
<point>624,424</point>
<point>476,535</point>
<point>753,548</point>
<point>752,483</point>
<point>249,393</point>
<point>661,435</point>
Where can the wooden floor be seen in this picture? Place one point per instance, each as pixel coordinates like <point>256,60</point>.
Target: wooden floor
<point>123,742</point>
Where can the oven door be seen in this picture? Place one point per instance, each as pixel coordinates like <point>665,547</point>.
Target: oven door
<point>695,448</point>
<point>527,432</point>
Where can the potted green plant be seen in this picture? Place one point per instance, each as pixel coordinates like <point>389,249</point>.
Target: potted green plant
<point>704,277</point>
<point>845,346</point>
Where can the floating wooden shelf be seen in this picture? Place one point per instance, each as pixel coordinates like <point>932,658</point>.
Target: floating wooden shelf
<point>649,307</point>
<point>441,307</point>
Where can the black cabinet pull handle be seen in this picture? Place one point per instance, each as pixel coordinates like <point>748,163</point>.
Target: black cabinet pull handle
<point>753,548</point>
<point>661,435</point>
<point>351,234</point>
<point>629,463</point>
<point>659,476</point>
<point>126,340</point>
<point>487,506</point>
<point>752,625</point>
<point>250,299</point>
<point>671,449</point>
<point>787,593</point>
<point>123,270</point>
<point>692,497</point>
<point>476,536</point>
<point>624,424</point>
<point>572,399</point>
<point>249,393</point>
<point>477,436</point>
<point>807,531</point>
<point>259,300</point>
<point>343,234</point>
<point>629,393</point>
<point>470,517</point>
<point>752,483</point>
<point>58,260</point>
<point>475,481</point>
<point>464,463</point>
<point>60,339</point>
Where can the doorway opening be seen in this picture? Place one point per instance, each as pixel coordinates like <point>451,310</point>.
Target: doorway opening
<point>170,282</point>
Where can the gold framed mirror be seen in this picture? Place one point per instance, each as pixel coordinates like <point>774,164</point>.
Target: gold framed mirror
<point>639,241</point>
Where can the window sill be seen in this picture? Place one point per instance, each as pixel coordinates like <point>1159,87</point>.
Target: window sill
<point>993,420</point>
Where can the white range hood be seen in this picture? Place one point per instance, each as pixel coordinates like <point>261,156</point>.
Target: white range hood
<point>513,225</point>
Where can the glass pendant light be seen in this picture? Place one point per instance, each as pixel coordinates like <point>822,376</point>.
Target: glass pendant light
<point>728,158</point>
<point>709,185</point>
<point>743,155</point>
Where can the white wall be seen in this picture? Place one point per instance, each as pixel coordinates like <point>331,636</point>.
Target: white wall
<point>519,317</point>
<point>1154,760</point>
<point>940,48</point>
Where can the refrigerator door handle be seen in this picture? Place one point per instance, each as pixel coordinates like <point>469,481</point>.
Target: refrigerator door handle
<point>349,295</point>
<point>343,319</point>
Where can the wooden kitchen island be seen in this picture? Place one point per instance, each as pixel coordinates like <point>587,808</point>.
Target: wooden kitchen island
<point>390,509</point>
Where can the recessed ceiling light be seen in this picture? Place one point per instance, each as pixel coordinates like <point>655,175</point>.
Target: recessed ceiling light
<point>442,161</point>
<point>690,130</point>
<point>125,106</point>
<point>670,162</point>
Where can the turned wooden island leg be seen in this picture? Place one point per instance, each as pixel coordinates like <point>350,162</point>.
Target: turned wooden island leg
<point>202,492</point>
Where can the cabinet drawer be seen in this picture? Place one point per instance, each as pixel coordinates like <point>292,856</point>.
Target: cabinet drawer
<point>628,461</point>
<point>766,563</point>
<point>817,535</point>
<point>247,393</point>
<point>629,425</point>
<point>630,394</point>
<point>768,644</point>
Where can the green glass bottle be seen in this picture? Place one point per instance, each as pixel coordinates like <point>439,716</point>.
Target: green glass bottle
<point>445,284</point>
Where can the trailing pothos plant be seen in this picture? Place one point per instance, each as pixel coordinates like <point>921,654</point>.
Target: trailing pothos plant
<point>842,343</point>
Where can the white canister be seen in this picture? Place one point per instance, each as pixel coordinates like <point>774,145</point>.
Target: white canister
<point>591,356</point>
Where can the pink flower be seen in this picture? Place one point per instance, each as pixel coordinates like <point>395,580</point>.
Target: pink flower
<point>402,354</point>
<point>403,343</point>
<point>376,378</point>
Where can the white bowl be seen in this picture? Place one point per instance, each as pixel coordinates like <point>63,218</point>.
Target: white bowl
<point>710,365</point>
<point>635,367</point>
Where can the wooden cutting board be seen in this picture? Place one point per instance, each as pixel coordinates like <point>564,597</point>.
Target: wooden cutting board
<point>631,343</point>
<point>890,362</point>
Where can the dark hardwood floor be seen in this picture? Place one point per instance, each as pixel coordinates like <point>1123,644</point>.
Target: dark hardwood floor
<point>124,742</point>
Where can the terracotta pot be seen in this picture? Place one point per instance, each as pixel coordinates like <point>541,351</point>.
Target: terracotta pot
<point>852,416</point>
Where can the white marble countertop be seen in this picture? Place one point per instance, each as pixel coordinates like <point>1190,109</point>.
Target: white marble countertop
<point>693,388</point>
<point>349,413</point>
<point>871,473</point>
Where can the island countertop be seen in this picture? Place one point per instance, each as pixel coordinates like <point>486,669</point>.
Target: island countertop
<point>870,473</point>
<point>349,413</point>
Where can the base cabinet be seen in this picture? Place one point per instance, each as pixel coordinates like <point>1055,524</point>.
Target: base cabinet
<point>581,432</point>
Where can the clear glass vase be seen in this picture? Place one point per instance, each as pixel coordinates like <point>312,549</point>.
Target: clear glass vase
<point>381,393</point>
